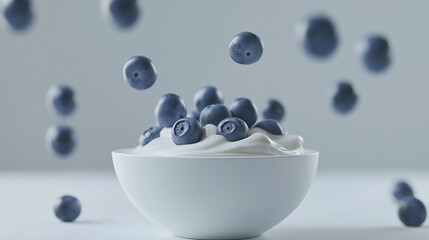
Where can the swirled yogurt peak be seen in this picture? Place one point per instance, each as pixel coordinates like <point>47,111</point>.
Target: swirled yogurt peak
<point>258,143</point>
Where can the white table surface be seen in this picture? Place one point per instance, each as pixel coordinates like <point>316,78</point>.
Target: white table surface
<point>342,205</point>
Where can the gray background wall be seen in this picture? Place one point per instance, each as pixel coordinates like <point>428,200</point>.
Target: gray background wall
<point>188,41</point>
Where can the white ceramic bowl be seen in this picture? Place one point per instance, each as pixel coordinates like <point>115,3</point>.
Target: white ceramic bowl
<point>215,198</point>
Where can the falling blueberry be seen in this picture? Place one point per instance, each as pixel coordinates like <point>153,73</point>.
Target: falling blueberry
<point>213,114</point>
<point>345,99</point>
<point>67,208</point>
<point>244,109</point>
<point>402,190</point>
<point>412,212</point>
<point>124,13</point>
<point>187,131</point>
<point>274,110</point>
<point>139,72</point>
<point>270,125</point>
<point>246,48</point>
<point>169,109</point>
<point>375,52</point>
<point>206,96</point>
<point>61,140</point>
<point>18,14</point>
<point>233,129</point>
<point>319,36</point>
<point>149,135</point>
<point>62,98</point>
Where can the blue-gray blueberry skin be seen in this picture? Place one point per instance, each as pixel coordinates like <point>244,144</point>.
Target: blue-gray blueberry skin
<point>213,114</point>
<point>206,96</point>
<point>149,135</point>
<point>376,55</point>
<point>19,15</point>
<point>246,48</point>
<point>140,72</point>
<point>194,114</point>
<point>169,109</point>
<point>274,109</point>
<point>233,129</point>
<point>320,37</point>
<point>67,208</point>
<point>244,109</point>
<point>124,13</point>
<point>402,190</point>
<point>271,126</point>
<point>412,212</point>
<point>345,99</point>
<point>62,98</point>
<point>61,139</point>
<point>187,131</point>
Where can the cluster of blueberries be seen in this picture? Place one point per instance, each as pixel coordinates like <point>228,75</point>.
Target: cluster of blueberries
<point>61,100</point>
<point>233,123</point>
<point>319,39</point>
<point>412,212</point>
<point>123,13</point>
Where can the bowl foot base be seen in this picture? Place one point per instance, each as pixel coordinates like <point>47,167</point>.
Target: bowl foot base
<point>219,238</point>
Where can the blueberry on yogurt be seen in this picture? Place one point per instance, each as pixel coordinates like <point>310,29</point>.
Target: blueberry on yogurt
<point>233,129</point>
<point>169,109</point>
<point>61,140</point>
<point>213,114</point>
<point>206,96</point>
<point>246,48</point>
<point>18,14</point>
<point>412,212</point>
<point>139,72</point>
<point>244,109</point>
<point>186,131</point>
<point>402,190</point>
<point>62,99</point>
<point>274,110</point>
<point>124,13</point>
<point>194,114</point>
<point>271,126</point>
<point>67,208</point>
<point>149,135</point>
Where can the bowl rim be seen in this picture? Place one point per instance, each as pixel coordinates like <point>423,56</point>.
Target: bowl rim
<point>128,152</point>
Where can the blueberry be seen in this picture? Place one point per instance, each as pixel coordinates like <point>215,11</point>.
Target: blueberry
<point>206,96</point>
<point>233,129</point>
<point>246,48</point>
<point>18,14</point>
<point>402,190</point>
<point>244,109</point>
<point>412,212</point>
<point>139,72</point>
<point>124,13</point>
<point>61,139</point>
<point>194,114</point>
<point>376,53</point>
<point>187,131</point>
<point>345,98</point>
<point>274,110</point>
<point>213,114</point>
<point>320,37</point>
<point>169,109</point>
<point>67,208</point>
<point>271,126</point>
<point>62,99</point>
<point>149,135</point>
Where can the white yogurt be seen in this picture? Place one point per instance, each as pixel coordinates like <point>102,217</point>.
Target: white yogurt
<point>258,143</point>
